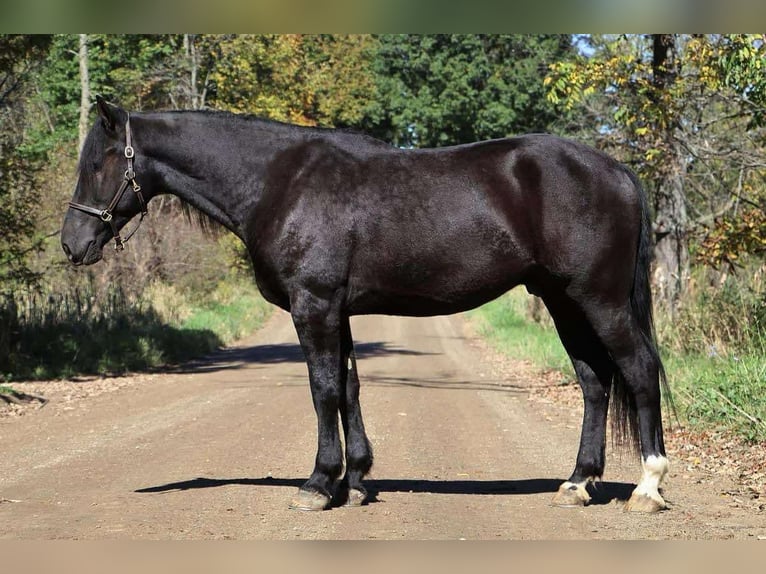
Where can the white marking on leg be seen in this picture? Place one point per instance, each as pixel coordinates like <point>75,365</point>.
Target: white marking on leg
<point>655,469</point>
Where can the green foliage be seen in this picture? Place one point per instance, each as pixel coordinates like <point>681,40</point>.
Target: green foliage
<point>723,391</point>
<point>714,352</point>
<point>18,200</point>
<point>445,89</point>
<point>742,67</point>
<point>86,332</point>
<point>699,114</point>
<point>19,163</point>
<point>233,311</point>
<point>722,314</point>
<point>304,79</point>
<point>503,321</point>
<point>121,68</point>
<point>636,103</point>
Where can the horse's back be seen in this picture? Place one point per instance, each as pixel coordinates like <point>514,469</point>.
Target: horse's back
<point>437,231</point>
<point>462,225</point>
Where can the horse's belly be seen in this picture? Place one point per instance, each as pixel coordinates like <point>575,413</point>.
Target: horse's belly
<point>424,291</point>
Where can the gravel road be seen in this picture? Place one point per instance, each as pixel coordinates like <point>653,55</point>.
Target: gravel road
<point>215,449</point>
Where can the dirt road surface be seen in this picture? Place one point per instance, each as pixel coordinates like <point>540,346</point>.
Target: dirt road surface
<point>216,449</point>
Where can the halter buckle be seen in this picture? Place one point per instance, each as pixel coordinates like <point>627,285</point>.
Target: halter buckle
<point>106,214</point>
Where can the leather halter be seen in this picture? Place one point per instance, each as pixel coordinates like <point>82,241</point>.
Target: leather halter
<point>130,178</point>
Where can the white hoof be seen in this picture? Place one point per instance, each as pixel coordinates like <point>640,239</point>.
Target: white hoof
<point>645,503</point>
<point>646,497</point>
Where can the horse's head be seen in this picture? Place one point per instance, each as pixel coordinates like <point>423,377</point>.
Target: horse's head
<point>107,195</point>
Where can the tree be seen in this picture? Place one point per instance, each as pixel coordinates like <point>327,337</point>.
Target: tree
<point>119,67</point>
<point>741,229</point>
<point>20,56</point>
<point>671,251</point>
<point>663,103</point>
<point>445,89</point>
<point>305,79</point>
<point>84,90</point>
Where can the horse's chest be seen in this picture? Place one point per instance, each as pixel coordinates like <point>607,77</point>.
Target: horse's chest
<point>270,282</point>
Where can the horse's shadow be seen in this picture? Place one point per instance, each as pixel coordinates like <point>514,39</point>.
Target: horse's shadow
<point>232,358</point>
<point>601,493</point>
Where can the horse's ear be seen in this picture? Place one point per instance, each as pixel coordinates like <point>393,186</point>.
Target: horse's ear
<point>110,114</point>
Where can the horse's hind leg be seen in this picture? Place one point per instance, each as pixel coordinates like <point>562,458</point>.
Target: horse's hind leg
<point>594,372</point>
<point>358,449</point>
<point>639,372</point>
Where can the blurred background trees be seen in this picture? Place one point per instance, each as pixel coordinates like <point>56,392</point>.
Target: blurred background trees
<point>687,112</point>
<point>20,160</point>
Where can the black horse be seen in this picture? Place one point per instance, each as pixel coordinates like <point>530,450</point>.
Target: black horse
<point>340,224</point>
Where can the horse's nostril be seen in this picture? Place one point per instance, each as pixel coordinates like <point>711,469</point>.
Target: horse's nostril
<point>66,249</point>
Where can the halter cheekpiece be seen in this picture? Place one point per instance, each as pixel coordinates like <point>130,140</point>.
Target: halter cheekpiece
<point>106,215</point>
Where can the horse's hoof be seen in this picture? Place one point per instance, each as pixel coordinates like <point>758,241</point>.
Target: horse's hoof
<point>571,495</point>
<point>644,503</point>
<point>355,497</point>
<point>309,500</point>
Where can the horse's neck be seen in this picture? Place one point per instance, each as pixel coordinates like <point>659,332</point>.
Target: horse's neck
<point>216,169</point>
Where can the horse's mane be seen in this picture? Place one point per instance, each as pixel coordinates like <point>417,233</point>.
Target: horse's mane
<point>264,121</point>
<point>203,221</point>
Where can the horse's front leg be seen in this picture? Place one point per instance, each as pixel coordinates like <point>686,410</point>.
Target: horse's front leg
<point>590,455</point>
<point>318,323</point>
<point>358,449</point>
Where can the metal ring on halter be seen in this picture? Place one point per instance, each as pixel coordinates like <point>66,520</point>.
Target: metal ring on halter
<point>130,177</point>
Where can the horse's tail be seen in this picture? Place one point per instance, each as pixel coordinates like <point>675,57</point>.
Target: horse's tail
<point>624,411</point>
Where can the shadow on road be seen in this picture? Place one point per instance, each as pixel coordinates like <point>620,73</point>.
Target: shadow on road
<point>240,357</point>
<point>604,493</point>
<point>243,357</point>
<point>445,382</point>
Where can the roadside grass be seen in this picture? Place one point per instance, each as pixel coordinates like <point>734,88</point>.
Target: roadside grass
<point>721,392</point>
<point>504,323</point>
<point>84,333</point>
<point>233,311</point>
<point>713,389</point>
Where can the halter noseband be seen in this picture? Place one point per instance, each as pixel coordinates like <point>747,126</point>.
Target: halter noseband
<point>130,178</point>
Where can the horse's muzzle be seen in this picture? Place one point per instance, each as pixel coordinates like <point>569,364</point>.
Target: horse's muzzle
<point>87,256</point>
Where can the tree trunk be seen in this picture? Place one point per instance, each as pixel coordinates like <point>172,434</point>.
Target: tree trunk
<point>671,251</point>
<point>196,99</point>
<point>84,89</point>
<point>535,309</point>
